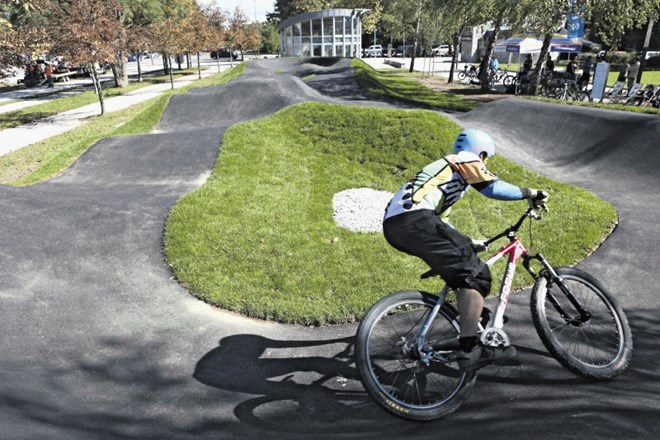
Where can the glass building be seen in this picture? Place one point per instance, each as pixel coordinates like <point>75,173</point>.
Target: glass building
<point>329,33</point>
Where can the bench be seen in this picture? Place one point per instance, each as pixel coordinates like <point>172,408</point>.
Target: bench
<point>395,63</point>
<point>63,76</point>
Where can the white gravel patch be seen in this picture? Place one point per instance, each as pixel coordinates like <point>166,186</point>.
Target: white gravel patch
<point>360,209</point>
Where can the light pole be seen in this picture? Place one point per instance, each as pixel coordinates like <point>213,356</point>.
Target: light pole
<point>645,49</point>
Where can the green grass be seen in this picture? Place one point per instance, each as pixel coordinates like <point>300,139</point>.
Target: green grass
<point>259,237</point>
<point>50,157</point>
<point>401,86</point>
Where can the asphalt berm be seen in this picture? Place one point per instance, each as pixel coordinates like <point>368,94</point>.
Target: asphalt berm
<point>99,342</point>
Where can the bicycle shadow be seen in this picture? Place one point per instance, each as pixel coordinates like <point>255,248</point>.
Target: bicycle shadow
<point>301,386</point>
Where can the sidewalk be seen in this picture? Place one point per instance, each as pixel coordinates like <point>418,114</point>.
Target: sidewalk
<point>24,135</point>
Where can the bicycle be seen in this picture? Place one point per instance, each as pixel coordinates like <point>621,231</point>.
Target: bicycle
<point>504,77</point>
<point>405,341</point>
<point>468,73</point>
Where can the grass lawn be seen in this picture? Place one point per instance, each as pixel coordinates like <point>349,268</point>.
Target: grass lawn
<point>265,243</point>
<point>48,158</point>
<point>402,86</point>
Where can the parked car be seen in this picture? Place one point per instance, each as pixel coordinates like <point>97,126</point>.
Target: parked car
<point>375,50</point>
<point>441,51</point>
<point>224,53</point>
<point>652,53</point>
<point>132,57</point>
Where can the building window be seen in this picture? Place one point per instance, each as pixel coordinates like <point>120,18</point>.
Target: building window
<point>334,32</point>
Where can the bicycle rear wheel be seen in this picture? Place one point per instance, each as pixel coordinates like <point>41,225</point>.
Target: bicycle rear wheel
<point>390,366</point>
<point>598,347</point>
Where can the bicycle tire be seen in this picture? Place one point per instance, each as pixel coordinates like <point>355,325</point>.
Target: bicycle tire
<point>391,372</point>
<point>509,80</point>
<point>461,76</point>
<point>599,349</point>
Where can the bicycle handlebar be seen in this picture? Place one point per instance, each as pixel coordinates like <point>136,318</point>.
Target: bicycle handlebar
<point>511,230</point>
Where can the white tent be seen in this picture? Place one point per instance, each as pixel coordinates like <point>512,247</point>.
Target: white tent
<point>519,46</point>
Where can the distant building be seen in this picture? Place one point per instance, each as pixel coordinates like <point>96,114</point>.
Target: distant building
<point>329,33</point>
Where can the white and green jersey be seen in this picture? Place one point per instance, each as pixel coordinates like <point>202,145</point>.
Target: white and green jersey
<point>441,184</point>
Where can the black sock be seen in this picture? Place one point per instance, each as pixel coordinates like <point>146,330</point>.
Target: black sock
<point>468,343</point>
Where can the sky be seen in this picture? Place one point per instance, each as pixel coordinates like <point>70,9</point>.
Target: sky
<point>249,7</point>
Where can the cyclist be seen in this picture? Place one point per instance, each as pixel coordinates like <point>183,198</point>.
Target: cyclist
<point>494,67</point>
<point>416,222</point>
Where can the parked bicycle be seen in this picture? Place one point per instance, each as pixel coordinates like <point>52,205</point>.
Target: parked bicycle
<point>405,342</point>
<point>505,77</point>
<point>559,87</point>
<point>468,73</point>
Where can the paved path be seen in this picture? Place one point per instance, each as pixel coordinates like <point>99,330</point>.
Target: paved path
<point>100,342</point>
<point>24,135</point>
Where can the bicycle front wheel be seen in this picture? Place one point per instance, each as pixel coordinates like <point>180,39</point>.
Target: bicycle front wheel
<point>389,361</point>
<point>461,76</point>
<point>597,346</point>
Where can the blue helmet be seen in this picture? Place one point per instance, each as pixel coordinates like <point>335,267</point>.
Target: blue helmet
<point>475,141</point>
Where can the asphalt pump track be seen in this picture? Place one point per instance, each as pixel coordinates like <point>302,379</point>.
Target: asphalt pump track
<point>99,341</point>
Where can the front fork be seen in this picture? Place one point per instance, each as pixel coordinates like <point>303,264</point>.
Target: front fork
<point>425,353</point>
<point>553,278</point>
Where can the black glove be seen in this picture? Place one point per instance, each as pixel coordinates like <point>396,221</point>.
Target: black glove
<point>538,199</point>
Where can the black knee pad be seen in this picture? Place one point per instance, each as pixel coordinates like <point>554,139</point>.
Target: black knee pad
<point>482,282</point>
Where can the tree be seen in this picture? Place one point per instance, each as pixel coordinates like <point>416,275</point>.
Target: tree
<point>506,12</point>
<point>171,36</point>
<point>217,28</point>
<point>610,18</point>
<point>23,30</point>
<point>87,32</point>
<point>270,38</point>
<point>457,16</point>
<point>138,15</point>
<point>289,8</point>
<point>237,35</point>
<point>545,17</point>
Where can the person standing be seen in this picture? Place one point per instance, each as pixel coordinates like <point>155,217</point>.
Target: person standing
<point>586,72</point>
<point>549,64</point>
<point>633,70</point>
<point>571,68</point>
<point>49,74</point>
<point>623,71</point>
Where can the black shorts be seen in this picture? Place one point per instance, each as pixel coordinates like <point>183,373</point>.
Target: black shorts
<point>448,252</point>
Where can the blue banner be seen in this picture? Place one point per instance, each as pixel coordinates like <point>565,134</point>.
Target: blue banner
<point>575,27</point>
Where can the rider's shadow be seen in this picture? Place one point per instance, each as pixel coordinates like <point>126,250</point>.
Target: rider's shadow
<point>300,386</point>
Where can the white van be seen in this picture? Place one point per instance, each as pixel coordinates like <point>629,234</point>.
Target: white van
<point>375,50</point>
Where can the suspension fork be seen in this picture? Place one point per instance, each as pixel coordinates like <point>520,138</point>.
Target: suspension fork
<point>554,278</point>
<point>426,355</point>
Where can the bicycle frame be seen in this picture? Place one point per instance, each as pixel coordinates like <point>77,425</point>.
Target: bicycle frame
<point>515,250</point>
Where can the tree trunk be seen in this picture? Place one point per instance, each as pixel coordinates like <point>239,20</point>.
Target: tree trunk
<point>484,68</point>
<point>120,73</point>
<point>412,60</point>
<point>454,57</point>
<point>547,38</point>
<point>97,87</point>
<point>199,68</point>
<point>139,66</point>
<point>169,61</point>
<point>92,70</point>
